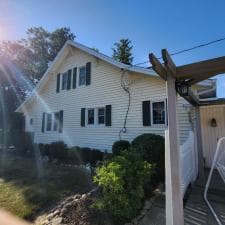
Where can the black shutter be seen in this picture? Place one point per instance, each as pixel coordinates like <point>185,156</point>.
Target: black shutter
<point>74,77</point>
<point>108,115</point>
<point>69,79</point>
<point>58,83</point>
<point>146,113</point>
<point>88,73</point>
<point>43,123</point>
<point>60,121</point>
<point>82,117</point>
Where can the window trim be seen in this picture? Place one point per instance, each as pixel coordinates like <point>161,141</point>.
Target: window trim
<point>82,67</point>
<point>165,112</point>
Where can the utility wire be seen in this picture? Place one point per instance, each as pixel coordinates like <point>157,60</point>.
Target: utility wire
<point>187,50</point>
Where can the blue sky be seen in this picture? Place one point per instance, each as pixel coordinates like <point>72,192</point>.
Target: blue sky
<point>151,25</point>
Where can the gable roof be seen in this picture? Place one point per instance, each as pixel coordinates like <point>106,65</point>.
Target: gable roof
<point>89,51</point>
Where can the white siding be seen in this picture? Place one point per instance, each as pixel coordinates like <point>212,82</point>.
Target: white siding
<point>105,89</point>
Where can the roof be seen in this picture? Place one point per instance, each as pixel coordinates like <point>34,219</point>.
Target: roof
<point>94,53</point>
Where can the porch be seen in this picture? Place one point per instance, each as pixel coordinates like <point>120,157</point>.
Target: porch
<point>196,211</point>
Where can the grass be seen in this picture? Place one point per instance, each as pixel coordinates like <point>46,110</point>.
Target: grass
<point>26,188</point>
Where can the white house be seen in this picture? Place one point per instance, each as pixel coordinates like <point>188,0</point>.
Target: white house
<point>88,99</point>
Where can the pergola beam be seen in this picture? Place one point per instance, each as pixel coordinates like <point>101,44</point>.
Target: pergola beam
<point>201,70</point>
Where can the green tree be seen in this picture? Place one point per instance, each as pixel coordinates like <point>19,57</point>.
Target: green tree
<point>122,51</point>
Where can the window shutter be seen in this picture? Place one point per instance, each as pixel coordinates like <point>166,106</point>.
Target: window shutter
<point>58,83</point>
<point>108,114</point>
<point>43,123</point>
<point>74,77</point>
<point>69,79</point>
<point>82,119</point>
<point>60,121</point>
<point>88,73</point>
<point>146,113</point>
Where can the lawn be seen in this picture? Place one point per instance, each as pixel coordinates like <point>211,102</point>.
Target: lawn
<point>27,187</point>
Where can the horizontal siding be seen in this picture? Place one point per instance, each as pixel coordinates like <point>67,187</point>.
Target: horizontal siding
<point>105,89</point>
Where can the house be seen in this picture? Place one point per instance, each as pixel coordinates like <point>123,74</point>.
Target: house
<point>87,99</point>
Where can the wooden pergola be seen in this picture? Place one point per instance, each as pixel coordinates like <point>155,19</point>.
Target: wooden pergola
<point>178,80</point>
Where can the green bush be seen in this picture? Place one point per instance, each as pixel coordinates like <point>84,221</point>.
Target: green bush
<point>122,180</point>
<point>120,146</point>
<point>152,149</point>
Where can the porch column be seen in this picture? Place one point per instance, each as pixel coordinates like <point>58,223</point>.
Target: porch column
<point>174,199</point>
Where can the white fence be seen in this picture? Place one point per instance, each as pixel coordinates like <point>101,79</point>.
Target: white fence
<point>189,169</point>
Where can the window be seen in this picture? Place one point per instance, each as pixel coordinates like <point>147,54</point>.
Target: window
<point>101,116</point>
<point>91,116</point>
<point>82,75</point>
<point>158,113</point>
<point>31,121</point>
<point>64,81</point>
<point>49,122</point>
<point>56,121</point>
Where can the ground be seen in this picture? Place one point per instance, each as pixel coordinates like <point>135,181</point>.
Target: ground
<point>27,186</point>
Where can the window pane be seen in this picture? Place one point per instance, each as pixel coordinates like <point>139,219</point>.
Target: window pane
<point>101,115</point>
<point>82,76</point>
<point>64,81</point>
<point>49,122</point>
<point>158,112</point>
<point>91,116</point>
<point>56,121</point>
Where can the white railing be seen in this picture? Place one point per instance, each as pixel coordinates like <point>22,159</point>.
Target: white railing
<point>188,162</point>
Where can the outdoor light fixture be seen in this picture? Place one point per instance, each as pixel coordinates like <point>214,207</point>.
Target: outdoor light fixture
<point>213,122</point>
<point>182,88</point>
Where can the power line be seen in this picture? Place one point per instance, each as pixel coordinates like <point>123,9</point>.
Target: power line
<point>187,50</point>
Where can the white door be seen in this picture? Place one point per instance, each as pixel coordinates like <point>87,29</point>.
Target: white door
<point>210,132</point>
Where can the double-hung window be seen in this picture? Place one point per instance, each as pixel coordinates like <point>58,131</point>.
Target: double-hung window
<point>82,76</point>
<point>64,80</point>
<point>91,116</point>
<point>56,121</point>
<point>49,122</point>
<point>101,115</point>
<point>158,113</point>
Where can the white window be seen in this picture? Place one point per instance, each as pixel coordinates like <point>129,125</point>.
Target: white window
<point>158,112</point>
<point>82,76</point>
<point>101,115</point>
<point>64,81</point>
<point>90,116</point>
<point>49,122</point>
<point>56,121</point>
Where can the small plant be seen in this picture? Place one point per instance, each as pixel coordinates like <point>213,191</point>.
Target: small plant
<point>120,146</point>
<point>122,180</point>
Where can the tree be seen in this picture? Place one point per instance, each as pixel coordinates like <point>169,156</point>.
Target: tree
<point>122,51</point>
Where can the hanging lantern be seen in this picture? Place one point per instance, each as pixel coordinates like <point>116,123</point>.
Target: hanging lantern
<point>182,88</point>
<point>213,122</point>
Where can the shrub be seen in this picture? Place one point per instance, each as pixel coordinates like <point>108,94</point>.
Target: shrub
<point>152,149</point>
<point>122,180</point>
<point>120,146</point>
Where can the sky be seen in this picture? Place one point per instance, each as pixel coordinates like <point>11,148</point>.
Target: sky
<point>150,25</point>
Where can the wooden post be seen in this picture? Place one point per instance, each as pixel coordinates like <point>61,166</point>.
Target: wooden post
<point>174,200</point>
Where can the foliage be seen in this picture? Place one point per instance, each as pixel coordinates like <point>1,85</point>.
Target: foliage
<point>74,155</point>
<point>122,180</point>
<point>119,146</point>
<point>152,149</point>
<point>122,51</point>
<point>27,187</point>
<point>32,55</point>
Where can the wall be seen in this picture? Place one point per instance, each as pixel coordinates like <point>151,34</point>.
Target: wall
<point>105,89</point>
